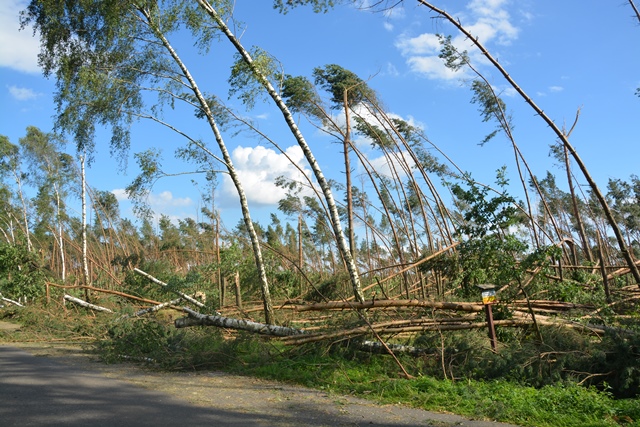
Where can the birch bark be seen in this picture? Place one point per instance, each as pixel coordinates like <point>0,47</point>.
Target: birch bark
<point>322,181</point>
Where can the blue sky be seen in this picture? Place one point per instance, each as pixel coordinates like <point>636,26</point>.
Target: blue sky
<point>566,55</point>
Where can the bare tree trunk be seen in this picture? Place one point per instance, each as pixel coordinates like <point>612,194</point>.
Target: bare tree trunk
<point>347,171</point>
<point>198,319</point>
<point>624,250</point>
<point>164,285</point>
<point>635,9</point>
<point>86,304</point>
<point>238,294</point>
<point>85,263</point>
<point>24,211</point>
<point>203,104</point>
<point>322,181</point>
<point>576,210</point>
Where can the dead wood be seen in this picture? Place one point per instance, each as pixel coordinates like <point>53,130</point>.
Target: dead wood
<point>161,283</point>
<point>10,301</point>
<point>197,319</point>
<point>620,271</point>
<point>106,291</point>
<point>343,305</point>
<point>86,304</point>
<point>412,266</point>
<point>157,307</point>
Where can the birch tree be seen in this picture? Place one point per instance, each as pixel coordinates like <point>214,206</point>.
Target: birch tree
<point>110,58</point>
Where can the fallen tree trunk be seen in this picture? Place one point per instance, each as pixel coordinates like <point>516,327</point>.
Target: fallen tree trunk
<point>10,301</point>
<point>86,304</point>
<point>157,307</point>
<point>197,319</point>
<point>106,291</point>
<point>378,348</point>
<point>161,283</point>
<point>342,305</point>
<point>621,271</point>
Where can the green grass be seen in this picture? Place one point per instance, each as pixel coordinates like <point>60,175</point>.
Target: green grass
<point>337,369</point>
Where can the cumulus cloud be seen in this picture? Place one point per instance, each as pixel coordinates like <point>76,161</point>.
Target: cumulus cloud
<point>258,169</point>
<point>121,194</point>
<point>488,20</point>
<point>162,203</point>
<point>166,200</point>
<point>390,166</point>
<point>22,93</point>
<point>19,49</point>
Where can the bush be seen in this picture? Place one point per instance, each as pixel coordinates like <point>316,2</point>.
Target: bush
<point>21,272</point>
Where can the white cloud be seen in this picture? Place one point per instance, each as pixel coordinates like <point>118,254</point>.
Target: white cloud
<point>423,44</point>
<point>556,88</point>
<point>121,194</point>
<point>493,20</point>
<point>383,164</point>
<point>388,26</point>
<point>22,93</point>
<point>163,203</point>
<point>391,70</point>
<point>432,67</point>
<point>165,200</point>
<point>258,168</point>
<point>487,20</point>
<point>19,49</point>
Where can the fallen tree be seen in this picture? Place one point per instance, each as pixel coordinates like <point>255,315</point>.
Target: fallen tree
<point>343,305</point>
<point>197,319</point>
<point>86,304</point>
<point>161,283</point>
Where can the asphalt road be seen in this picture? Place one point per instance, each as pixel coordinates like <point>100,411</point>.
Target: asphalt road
<point>46,391</point>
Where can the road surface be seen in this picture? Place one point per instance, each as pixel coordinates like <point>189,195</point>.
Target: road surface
<point>74,391</point>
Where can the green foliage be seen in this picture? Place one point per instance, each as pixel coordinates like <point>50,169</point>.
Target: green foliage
<point>21,272</point>
<point>301,96</point>
<point>453,59</point>
<point>319,6</point>
<point>336,80</point>
<point>246,80</point>
<point>482,213</point>
<point>343,369</point>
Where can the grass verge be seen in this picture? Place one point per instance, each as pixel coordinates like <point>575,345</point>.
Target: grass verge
<point>334,368</point>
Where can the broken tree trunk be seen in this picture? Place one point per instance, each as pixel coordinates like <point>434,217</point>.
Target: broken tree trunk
<point>10,301</point>
<point>198,319</point>
<point>343,305</point>
<point>157,307</point>
<point>86,304</point>
<point>161,283</point>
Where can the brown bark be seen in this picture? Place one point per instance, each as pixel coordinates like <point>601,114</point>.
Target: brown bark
<point>624,250</point>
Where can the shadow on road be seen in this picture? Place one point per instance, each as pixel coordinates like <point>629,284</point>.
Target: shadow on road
<point>41,391</point>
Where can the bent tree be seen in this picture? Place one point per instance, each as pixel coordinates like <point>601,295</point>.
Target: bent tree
<point>109,60</point>
<point>254,71</point>
<point>562,136</point>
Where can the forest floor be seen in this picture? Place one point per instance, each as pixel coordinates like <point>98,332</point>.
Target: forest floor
<point>219,396</point>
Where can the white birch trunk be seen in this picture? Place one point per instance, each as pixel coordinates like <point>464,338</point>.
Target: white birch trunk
<point>322,181</point>
<point>161,283</point>
<point>255,243</point>
<point>198,319</point>
<point>86,304</point>
<point>10,301</point>
<point>85,264</point>
<point>24,211</point>
<point>157,307</point>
